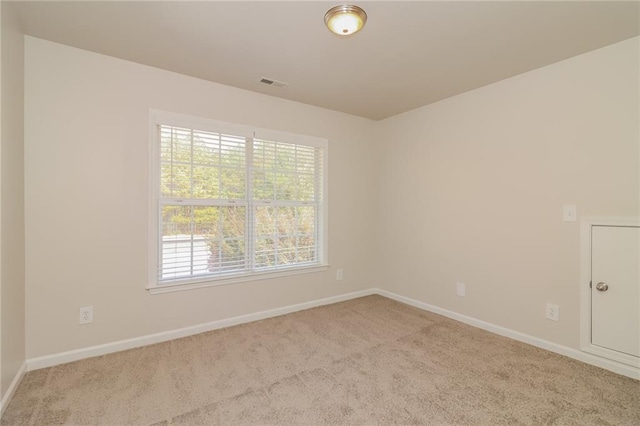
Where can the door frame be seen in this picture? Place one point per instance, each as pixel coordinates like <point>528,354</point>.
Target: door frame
<point>585,291</point>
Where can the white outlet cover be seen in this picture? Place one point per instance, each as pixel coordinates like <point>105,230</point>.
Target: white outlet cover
<point>339,275</point>
<point>461,289</point>
<point>86,315</point>
<point>553,312</point>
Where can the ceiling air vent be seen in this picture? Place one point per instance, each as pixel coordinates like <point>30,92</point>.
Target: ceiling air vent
<point>274,83</point>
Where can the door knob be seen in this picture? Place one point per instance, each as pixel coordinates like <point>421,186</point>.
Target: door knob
<point>601,286</point>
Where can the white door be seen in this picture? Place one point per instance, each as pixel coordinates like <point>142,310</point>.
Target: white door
<point>615,288</point>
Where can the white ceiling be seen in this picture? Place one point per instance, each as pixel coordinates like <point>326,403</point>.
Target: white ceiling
<point>409,54</point>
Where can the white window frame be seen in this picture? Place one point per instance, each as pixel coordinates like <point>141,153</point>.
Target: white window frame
<point>157,118</point>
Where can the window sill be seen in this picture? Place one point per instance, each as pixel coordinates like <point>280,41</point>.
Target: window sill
<point>214,282</point>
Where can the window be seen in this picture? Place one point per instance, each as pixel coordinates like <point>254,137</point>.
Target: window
<point>231,203</point>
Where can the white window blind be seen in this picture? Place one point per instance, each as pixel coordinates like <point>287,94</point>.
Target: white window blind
<point>286,199</point>
<point>232,205</point>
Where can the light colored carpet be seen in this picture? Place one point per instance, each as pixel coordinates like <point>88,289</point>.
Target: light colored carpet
<point>366,361</point>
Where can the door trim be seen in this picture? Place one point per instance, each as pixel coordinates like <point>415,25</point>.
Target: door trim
<point>585,291</point>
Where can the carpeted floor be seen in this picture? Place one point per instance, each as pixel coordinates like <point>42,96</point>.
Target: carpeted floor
<point>366,361</point>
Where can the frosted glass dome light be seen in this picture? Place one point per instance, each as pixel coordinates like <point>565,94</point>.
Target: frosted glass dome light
<point>345,19</point>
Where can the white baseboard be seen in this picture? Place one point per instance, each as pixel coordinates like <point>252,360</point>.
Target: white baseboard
<point>4,402</point>
<point>78,354</point>
<point>121,345</point>
<point>616,367</point>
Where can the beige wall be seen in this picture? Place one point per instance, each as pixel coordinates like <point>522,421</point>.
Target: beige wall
<point>473,188</point>
<point>12,271</point>
<point>86,180</point>
<point>469,189</point>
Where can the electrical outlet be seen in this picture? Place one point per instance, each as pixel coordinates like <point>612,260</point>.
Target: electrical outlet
<point>553,312</point>
<point>461,289</point>
<point>86,315</point>
<point>339,275</point>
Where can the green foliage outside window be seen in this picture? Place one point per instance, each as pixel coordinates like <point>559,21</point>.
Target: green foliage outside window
<point>201,166</point>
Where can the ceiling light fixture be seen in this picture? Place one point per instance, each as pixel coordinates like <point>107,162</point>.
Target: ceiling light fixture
<point>345,19</point>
